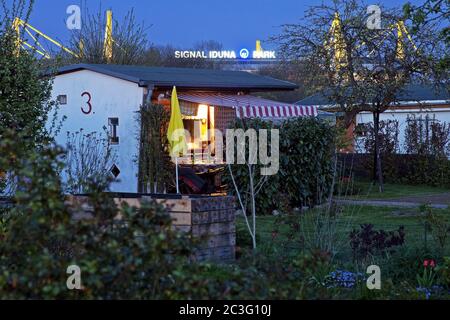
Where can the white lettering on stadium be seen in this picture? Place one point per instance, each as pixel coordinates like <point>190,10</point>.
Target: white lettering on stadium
<point>224,54</point>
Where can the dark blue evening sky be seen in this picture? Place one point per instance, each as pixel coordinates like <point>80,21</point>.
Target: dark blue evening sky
<point>234,23</point>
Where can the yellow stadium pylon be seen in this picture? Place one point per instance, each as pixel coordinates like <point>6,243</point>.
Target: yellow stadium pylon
<point>400,43</point>
<point>402,32</point>
<point>337,43</point>
<point>34,34</point>
<point>108,45</point>
<point>81,48</point>
<point>16,28</point>
<point>37,47</point>
<point>258,46</point>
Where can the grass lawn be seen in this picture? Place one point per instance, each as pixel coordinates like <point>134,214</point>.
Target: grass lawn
<point>386,218</point>
<point>369,190</point>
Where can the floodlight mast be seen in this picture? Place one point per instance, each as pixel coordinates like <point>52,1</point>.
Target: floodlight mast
<point>35,33</point>
<point>337,41</point>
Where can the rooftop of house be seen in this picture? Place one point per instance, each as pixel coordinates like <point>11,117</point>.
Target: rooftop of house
<point>411,94</point>
<point>185,78</point>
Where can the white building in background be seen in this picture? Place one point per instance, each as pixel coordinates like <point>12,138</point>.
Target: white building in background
<point>92,97</point>
<point>425,111</point>
<point>419,102</point>
<point>91,101</point>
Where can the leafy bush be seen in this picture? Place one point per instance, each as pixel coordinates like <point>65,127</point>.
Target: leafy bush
<point>307,160</point>
<point>439,225</point>
<point>403,168</point>
<point>443,271</point>
<point>423,169</point>
<point>306,164</point>
<point>125,258</point>
<point>128,259</point>
<point>368,242</point>
<point>25,93</point>
<point>405,263</point>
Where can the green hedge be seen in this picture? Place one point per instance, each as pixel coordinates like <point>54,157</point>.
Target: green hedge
<point>400,168</point>
<point>306,165</point>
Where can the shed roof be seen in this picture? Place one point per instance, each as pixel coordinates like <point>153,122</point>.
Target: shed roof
<point>412,93</point>
<point>185,77</point>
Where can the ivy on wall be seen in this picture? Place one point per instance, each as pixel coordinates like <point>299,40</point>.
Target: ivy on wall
<point>154,162</point>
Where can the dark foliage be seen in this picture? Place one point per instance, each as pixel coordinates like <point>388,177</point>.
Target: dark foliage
<point>367,241</point>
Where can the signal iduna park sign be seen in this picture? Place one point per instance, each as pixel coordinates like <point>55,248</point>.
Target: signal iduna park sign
<point>243,54</point>
<point>225,54</point>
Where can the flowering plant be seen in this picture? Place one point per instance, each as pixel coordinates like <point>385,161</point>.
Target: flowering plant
<point>429,263</point>
<point>426,280</point>
<point>344,279</point>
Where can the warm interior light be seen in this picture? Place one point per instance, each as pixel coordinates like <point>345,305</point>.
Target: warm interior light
<point>191,145</point>
<point>202,111</point>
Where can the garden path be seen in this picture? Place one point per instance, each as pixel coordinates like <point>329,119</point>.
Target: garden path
<point>439,201</point>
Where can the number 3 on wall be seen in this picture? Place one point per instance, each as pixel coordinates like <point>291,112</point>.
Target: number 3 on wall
<point>88,103</point>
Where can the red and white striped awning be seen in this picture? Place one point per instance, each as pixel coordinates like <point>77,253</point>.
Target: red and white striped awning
<point>247,106</point>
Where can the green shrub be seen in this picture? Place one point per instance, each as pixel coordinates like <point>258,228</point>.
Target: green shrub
<point>402,168</point>
<point>428,170</point>
<point>443,270</point>
<point>307,160</point>
<point>25,93</point>
<point>130,258</point>
<point>306,165</point>
<point>405,263</point>
<point>439,226</point>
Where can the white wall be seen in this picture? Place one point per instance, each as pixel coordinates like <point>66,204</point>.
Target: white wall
<point>441,114</point>
<point>111,98</point>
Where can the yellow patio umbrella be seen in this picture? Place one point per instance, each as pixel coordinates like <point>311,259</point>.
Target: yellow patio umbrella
<point>175,133</point>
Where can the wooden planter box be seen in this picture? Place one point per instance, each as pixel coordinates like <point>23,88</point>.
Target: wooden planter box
<point>209,219</point>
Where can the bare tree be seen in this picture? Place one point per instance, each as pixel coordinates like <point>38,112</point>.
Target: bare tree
<point>130,40</point>
<point>361,68</point>
<point>247,179</point>
<point>88,161</point>
<point>11,9</point>
<point>247,198</point>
